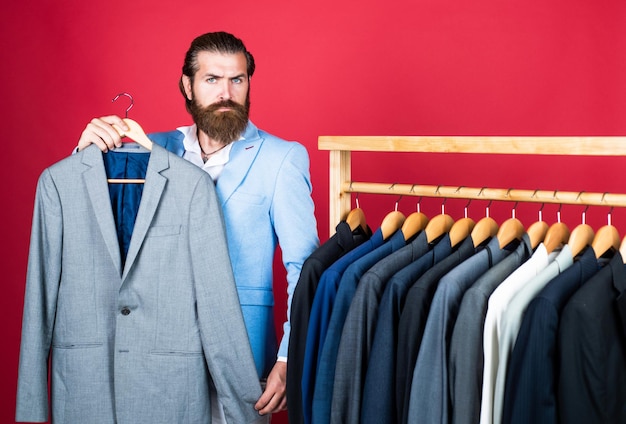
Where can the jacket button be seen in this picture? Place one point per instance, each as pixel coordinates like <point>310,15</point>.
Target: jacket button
<point>125,311</point>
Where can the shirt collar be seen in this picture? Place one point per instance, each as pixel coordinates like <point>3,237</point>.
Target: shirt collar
<point>191,144</point>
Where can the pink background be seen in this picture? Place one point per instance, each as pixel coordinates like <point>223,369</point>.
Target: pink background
<point>406,67</point>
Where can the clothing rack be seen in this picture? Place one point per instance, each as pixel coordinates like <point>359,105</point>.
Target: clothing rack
<point>341,184</point>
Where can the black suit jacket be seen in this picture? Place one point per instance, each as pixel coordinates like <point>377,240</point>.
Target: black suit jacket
<point>592,339</point>
<point>323,257</point>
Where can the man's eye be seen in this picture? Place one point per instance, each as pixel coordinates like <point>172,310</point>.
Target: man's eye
<point>237,80</point>
<point>211,80</point>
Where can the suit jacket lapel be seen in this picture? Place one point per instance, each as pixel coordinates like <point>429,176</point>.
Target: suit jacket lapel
<point>152,191</point>
<point>95,181</point>
<point>242,156</point>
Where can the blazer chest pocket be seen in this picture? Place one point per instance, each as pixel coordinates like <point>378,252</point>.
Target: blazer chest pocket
<point>248,198</point>
<point>164,230</point>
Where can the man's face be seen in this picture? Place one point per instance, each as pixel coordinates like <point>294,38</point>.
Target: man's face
<point>219,95</point>
<point>219,77</point>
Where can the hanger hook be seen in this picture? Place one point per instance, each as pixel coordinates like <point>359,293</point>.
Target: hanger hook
<point>130,106</point>
<point>610,211</point>
<point>584,214</point>
<point>514,210</point>
<point>467,207</point>
<point>356,198</point>
<point>398,201</point>
<point>487,209</point>
<point>419,203</point>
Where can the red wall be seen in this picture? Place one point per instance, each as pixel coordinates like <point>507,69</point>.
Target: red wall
<point>408,67</point>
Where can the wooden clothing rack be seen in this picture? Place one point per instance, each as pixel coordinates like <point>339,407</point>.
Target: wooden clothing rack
<point>341,184</point>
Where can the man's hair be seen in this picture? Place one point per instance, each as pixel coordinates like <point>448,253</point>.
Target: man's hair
<point>214,42</point>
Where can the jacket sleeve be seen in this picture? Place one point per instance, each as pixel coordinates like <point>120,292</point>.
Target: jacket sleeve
<point>42,285</point>
<point>294,221</point>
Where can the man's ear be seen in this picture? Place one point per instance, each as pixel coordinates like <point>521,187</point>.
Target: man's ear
<point>187,86</point>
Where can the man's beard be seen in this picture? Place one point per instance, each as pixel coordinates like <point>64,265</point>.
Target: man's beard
<point>224,127</point>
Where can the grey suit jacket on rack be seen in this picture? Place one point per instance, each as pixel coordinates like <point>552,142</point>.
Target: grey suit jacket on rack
<point>138,344</point>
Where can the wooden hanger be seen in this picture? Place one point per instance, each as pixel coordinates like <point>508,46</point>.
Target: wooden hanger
<point>511,229</point>
<point>537,233</point>
<point>392,222</point>
<point>135,133</point>
<point>557,236</point>
<point>356,219</point>
<point>460,230</point>
<point>484,229</point>
<point>438,226</point>
<point>582,236</point>
<point>606,239</point>
<point>413,224</point>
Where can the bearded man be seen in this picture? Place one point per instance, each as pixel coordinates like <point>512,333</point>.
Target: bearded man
<point>263,184</point>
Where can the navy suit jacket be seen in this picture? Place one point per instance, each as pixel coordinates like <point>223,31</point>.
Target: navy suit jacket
<point>378,406</point>
<point>358,331</point>
<point>322,395</point>
<point>412,321</point>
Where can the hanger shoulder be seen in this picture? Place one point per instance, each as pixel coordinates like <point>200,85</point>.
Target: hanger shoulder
<point>511,229</point>
<point>460,230</point>
<point>606,239</point>
<point>413,224</point>
<point>356,219</point>
<point>391,223</point>
<point>557,235</point>
<point>582,236</point>
<point>437,226</point>
<point>484,229</point>
<point>135,133</point>
<point>537,233</point>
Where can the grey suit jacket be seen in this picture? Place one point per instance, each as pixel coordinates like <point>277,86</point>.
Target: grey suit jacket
<point>466,359</point>
<point>138,344</point>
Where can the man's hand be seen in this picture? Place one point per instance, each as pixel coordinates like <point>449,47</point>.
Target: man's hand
<point>100,132</point>
<point>274,397</point>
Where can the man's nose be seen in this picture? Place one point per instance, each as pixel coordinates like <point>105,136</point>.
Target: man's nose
<point>225,90</point>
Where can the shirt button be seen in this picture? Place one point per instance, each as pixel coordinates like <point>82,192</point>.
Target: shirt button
<point>125,311</point>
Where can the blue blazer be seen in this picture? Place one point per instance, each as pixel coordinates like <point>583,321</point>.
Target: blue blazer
<point>265,194</point>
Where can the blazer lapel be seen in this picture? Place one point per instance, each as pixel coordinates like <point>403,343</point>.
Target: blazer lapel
<point>95,180</point>
<point>152,191</point>
<point>242,156</point>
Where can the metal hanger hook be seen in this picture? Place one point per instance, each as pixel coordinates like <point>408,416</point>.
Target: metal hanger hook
<point>467,207</point>
<point>130,106</point>
<point>398,201</point>
<point>356,199</point>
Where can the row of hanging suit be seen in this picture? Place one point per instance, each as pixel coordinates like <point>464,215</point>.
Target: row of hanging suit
<point>436,321</point>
